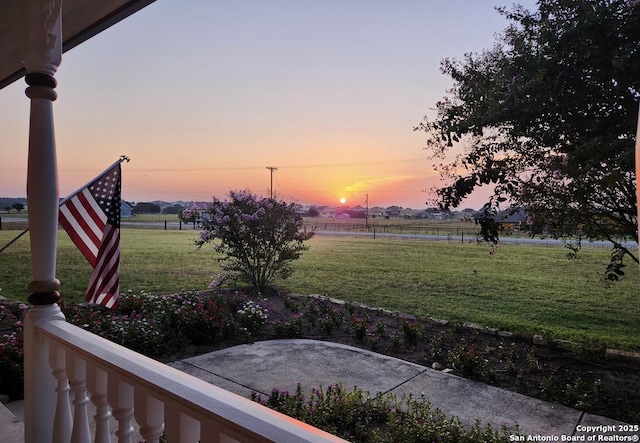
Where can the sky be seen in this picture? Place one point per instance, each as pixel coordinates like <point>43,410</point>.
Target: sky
<point>204,95</point>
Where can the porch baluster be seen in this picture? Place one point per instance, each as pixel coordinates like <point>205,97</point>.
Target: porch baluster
<point>179,427</point>
<point>120,396</point>
<point>76,369</point>
<point>149,414</point>
<point>62,423</point>
<point>97,386</point>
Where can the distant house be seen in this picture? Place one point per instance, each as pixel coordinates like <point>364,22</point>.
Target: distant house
<point>467,214</point>
<point>432,214</point>
<point>393,211</point>
<point>200,209</point>
<point>126,211</point>
<point>513,222</point>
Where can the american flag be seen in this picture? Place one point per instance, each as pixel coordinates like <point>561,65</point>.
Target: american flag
<point>91,217</point>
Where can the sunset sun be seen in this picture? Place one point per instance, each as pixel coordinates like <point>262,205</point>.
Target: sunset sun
<point>343,200</point>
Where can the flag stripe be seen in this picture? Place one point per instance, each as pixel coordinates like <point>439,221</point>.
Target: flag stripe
<point>91,217</point>
<point>86,218</point>
<point>87,248</point>
<point>84,224</point>
<point>104,281</point>
<point>92,211</point>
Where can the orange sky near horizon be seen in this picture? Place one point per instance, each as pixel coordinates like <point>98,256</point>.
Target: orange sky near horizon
<point>204,96</point>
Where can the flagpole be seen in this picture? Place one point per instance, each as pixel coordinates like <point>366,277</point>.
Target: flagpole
<point>120,160</point>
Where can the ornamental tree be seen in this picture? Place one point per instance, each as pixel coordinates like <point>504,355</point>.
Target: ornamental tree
<point>548,117</point>
<point>259,238</point>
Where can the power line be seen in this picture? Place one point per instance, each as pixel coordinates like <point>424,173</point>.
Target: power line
<point>240,168</point>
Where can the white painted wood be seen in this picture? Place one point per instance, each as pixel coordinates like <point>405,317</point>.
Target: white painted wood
<point>120,396</point>
<point>42,50</point>
<point>180,428</point>
<point>149,414</point>
<point>42,194</point>
<point>62,423</point>
<point>97,386</point>
<point>76,370</point>
<point>39,383</point>
<point>193,409</point>
<point>40,22</point>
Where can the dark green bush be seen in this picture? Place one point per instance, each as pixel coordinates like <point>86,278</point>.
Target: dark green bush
<point>360,418</point>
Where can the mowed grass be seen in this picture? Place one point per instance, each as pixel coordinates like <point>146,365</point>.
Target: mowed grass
<point>521,288</point>
<point>151,260</point>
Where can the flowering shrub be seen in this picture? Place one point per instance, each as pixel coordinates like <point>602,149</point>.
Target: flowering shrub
<point>142,334</point>
<point>130,302</point>
<point>258,237</point>
<point>358,417</point>
<point>11,368</point>
<point>153,325</point>
<point>134,330</point>
<point>465,360</point>
<point>412,331</point>
<point>359,326</point>
<point>291,305</point>
<point>292,328</point>
<point>11,349</point>
<point>324,313</point>
<point>156,325</point>
<point>327,324</point>
<point>251,317</point>
<point>201,320</point>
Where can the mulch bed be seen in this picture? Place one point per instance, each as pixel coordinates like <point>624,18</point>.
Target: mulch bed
<point>580,378</point>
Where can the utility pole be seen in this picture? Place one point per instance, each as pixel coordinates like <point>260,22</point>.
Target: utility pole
<point>366,213</point>
<point>271,168</point>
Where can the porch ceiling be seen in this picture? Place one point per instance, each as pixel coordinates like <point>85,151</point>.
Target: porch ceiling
<point>81,20</point>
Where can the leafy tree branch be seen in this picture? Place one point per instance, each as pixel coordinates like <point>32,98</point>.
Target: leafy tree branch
<point>548,117</point>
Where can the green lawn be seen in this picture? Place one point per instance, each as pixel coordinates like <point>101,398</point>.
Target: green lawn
<point>151,260</point>
<point>521,288</point>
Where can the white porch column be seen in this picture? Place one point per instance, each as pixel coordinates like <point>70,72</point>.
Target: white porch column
<point>42,55</point>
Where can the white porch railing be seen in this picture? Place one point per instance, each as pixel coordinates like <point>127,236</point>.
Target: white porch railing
<point>136,389</point>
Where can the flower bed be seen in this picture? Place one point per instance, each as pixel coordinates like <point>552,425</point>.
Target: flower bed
<point>176,326</point>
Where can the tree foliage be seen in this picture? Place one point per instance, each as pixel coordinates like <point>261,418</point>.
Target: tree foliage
<point>258,237</point>
<point>147,208</point>
<point>173,209</point>
<point>548,117</point>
